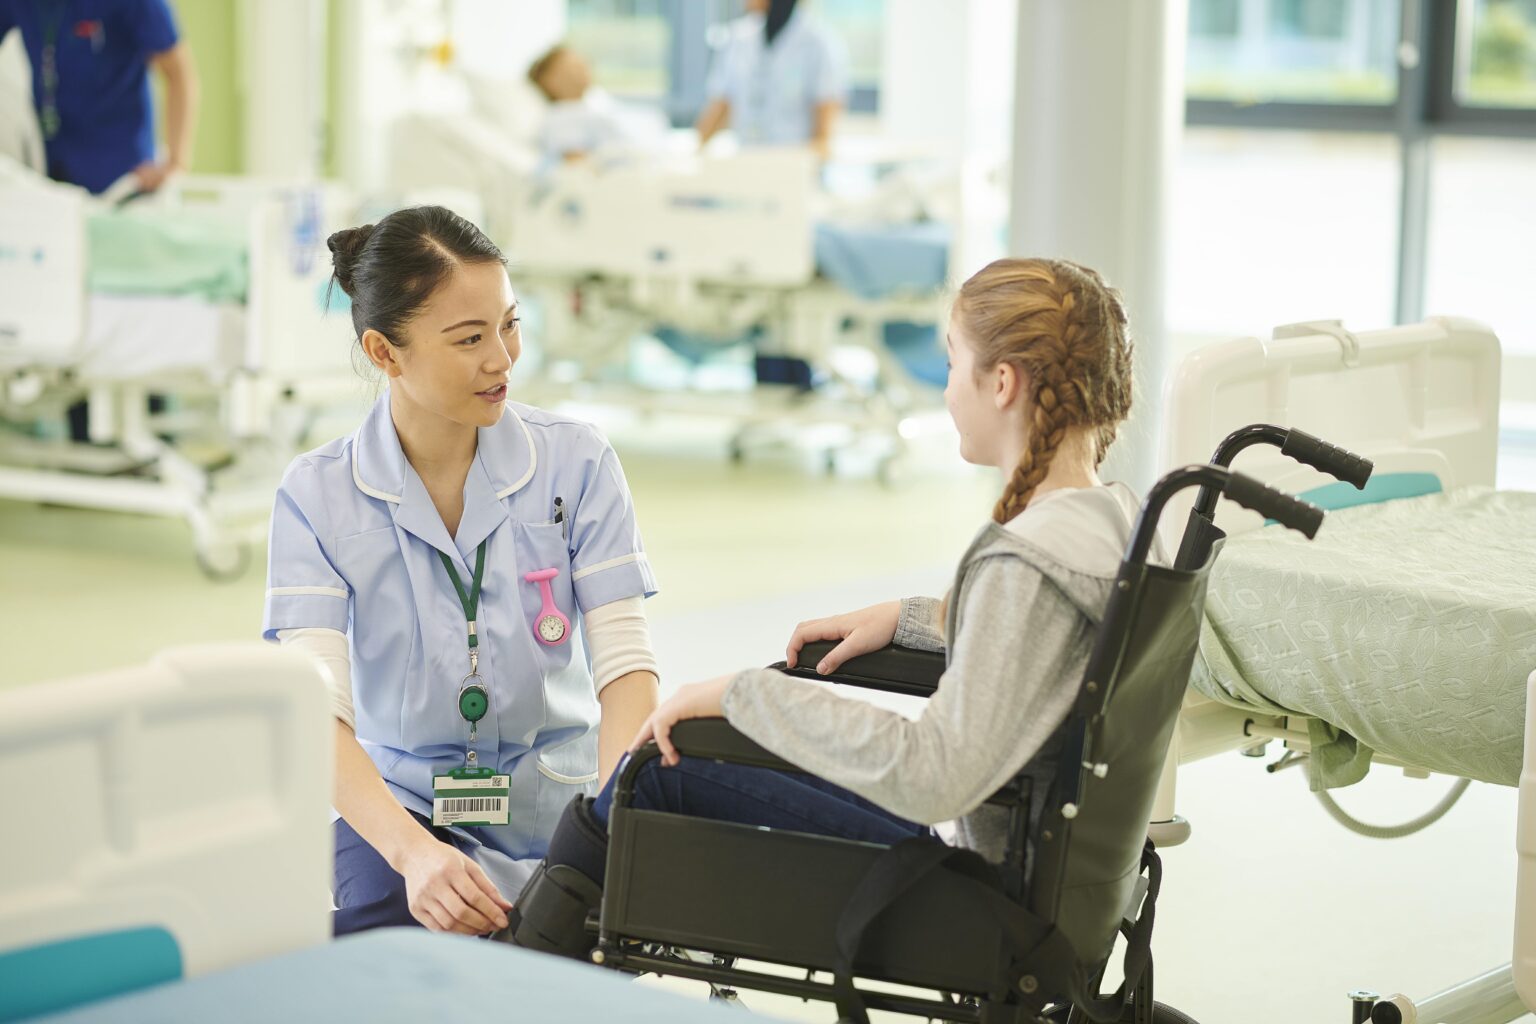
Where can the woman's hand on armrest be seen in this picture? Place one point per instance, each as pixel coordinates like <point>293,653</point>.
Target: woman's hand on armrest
<point>696,700</point>
<point>860,632</point>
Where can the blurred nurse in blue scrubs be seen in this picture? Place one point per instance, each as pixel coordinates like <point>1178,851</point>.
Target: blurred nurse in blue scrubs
<point>780,80</point>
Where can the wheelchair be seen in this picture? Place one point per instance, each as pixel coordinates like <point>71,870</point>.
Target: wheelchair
<point>1025,941</point>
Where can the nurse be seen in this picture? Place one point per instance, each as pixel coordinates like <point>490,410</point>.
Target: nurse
<point>779,81</point>
<point>470,570</point>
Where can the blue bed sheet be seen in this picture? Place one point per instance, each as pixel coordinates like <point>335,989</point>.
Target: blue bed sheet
<point>872,263</point>
<point>401,976</point>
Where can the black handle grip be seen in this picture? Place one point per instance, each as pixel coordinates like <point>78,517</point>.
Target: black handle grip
<point>1270,503</point>
<point>1331,459</point>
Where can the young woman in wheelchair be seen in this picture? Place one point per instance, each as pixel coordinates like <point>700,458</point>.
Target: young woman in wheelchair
<point>1039,381</point>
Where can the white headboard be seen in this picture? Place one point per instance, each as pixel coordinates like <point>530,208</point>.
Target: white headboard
<point>191,795</point>
<point>1421,398</point>
<point>743,218</point>
<point>42,271</point>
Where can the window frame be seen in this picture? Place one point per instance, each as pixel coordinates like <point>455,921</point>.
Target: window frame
<point>1425,107</point>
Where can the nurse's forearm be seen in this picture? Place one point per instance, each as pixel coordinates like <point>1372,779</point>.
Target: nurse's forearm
<point>627,702</point>
<point>181,84</point>
<point>367,805</point>
<point>821,128</point>
<point>714,119</point>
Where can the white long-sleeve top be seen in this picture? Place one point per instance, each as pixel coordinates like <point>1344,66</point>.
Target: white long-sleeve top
<point>617,635</point>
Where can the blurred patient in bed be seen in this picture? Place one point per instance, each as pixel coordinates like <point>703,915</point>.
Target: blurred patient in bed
<point>582,119</point>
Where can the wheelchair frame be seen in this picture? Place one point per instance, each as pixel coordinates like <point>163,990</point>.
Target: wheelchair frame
<point>921,941</point>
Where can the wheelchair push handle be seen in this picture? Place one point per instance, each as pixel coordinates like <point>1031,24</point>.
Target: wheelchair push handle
<point>1290,512</point>
<point>1331,459</point>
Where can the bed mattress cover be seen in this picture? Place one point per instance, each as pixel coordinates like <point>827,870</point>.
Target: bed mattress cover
<point>1406,628</point>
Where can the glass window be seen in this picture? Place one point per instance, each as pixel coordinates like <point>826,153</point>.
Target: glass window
<point>627,41</point>
<point>1293,51</point>
<point>1214,17</point>
<point>1271,227</point>
<point>1496,58</point>
<point>857,23</point>
<point>1479,264</point>
<point>1311,19</point>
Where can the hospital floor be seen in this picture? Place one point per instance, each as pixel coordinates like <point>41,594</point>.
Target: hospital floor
<point>1270,914</point>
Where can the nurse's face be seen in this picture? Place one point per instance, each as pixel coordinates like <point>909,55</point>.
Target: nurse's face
<point>461,346</point>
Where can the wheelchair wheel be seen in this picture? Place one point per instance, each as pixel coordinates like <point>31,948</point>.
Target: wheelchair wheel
<point>1162,1013</point>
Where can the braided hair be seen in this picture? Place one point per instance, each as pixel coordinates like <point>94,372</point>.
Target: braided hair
<point>1066,330</point>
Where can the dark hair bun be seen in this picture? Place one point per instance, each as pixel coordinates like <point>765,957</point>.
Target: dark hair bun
<point>346,246</point>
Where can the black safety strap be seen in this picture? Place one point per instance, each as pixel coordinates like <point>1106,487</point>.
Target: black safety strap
<point>1041,948</point>
<point>1138,948</point>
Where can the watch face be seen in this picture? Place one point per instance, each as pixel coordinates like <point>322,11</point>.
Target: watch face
<point>551,628</point>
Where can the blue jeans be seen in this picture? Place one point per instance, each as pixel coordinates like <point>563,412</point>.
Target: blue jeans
<point>702,788</point>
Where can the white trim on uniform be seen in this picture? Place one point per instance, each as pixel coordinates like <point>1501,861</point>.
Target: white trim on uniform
<point>357,479</point>
<point>308,592</point>
<point>600,566</point>
<point>533,456</point>
<point>569,780</point>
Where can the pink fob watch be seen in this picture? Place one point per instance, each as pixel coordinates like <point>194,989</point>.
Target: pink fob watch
<point>552,626</point>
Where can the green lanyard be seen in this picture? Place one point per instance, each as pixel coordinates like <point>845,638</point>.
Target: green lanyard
<point>48,69</point>
<point>471,599</point>
<point>474,697</point>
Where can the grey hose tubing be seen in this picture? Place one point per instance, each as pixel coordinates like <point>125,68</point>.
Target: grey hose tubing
<point>1408,828</point>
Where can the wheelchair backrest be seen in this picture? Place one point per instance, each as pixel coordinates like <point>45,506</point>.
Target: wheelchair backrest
<point>1092,830</point>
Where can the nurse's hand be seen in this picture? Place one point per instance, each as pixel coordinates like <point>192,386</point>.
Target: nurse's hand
<point>861,632</point>
<point>151,176</point>
<point>448,892</point>
<point>696,700</point>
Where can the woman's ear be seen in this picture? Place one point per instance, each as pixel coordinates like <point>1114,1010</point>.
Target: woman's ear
<point>380,352</point>
<point>1011,384</point>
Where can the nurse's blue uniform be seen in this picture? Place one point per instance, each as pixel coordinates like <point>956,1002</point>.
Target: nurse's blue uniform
<point>355,542</point>
<point>774,90</point>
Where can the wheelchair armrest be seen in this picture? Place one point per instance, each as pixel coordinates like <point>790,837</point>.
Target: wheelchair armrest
<point>892,668</point>
<point>712,738</point>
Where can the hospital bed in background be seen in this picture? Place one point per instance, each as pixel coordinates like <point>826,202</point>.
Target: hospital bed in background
<point>710,255</point>
<point>1404,635</point>
<point>212,292</point>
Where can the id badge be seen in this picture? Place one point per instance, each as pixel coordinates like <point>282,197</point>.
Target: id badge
<point>470,796</point>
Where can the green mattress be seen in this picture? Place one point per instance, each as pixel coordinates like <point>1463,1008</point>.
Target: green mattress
<point>1406,628</point>
<point>166,252</point>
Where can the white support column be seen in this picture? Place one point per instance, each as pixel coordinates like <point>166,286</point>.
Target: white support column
<point>1098,107</point>
<point>283,56</point>
<point>961,105</point>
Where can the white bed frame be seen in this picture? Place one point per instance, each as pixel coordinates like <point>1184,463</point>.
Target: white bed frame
<point>290,357</point>
<point>714,243</point>
<point>1417,398</point>
<point>190,794</point>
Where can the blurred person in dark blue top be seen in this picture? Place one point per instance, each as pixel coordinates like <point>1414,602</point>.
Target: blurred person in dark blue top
<point>90,85</point>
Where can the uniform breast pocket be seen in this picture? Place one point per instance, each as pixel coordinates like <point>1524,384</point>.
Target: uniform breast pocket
<point>544,583</point>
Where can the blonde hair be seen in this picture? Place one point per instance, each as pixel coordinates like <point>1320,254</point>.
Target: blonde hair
<point>539,68</point>
<point>1066,330</point>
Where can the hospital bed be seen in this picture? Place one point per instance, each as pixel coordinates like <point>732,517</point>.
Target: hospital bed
<point>168,853</point>
<point>213,293</point>
<point>1405,634</point>
<point>710,254</point>
<point>164,821</point>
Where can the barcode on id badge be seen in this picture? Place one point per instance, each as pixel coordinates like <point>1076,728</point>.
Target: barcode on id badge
<point>475,805</point>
